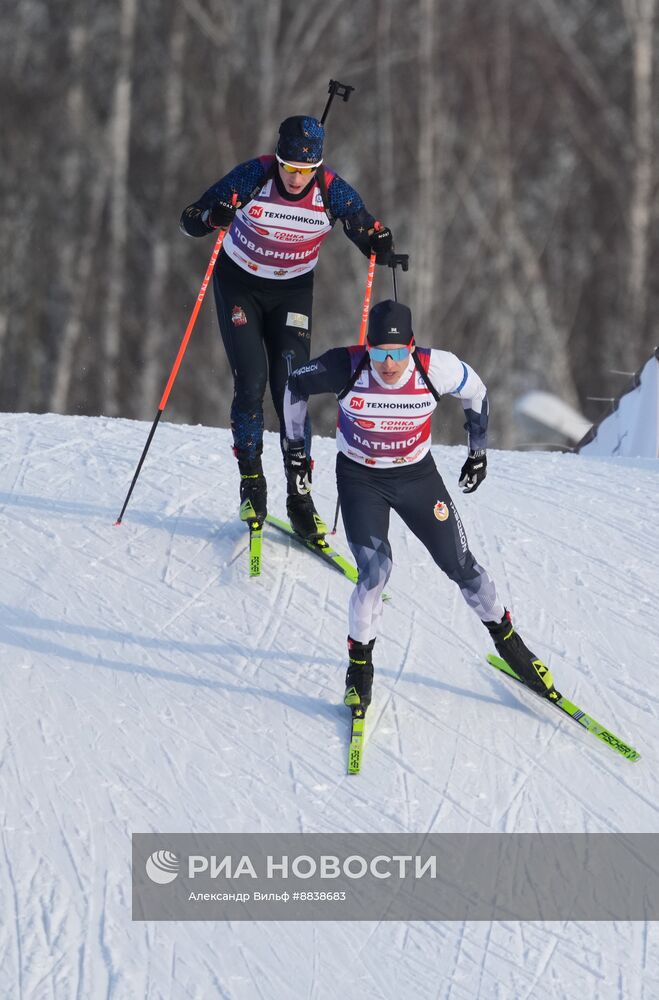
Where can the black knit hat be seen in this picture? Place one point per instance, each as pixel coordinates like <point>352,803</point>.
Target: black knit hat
<point>301,140</point>
<point>389,322</point>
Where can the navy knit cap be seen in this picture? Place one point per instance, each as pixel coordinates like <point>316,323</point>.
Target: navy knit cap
<point>389,322</point>
<point>301,140</point>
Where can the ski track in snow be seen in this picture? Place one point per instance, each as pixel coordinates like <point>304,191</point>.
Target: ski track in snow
<point>149,684</point>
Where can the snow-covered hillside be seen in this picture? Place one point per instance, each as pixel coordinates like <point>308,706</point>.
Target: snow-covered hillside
<point>148,684</point>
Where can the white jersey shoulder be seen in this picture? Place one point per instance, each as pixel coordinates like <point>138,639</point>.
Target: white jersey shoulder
<point>451,376</point>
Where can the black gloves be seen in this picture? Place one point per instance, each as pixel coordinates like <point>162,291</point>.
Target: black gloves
<point>473,471</point>
<point>298,467</point>
<point>193,221</point>
<point>220,216</point>
<point>382,242</point>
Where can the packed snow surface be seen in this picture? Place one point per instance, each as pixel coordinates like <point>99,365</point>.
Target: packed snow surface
<point>148,684</point>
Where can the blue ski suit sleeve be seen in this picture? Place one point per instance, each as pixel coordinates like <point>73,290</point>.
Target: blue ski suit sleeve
<point>328,373</point>
<point>241,180</point>
<point>346,204</point>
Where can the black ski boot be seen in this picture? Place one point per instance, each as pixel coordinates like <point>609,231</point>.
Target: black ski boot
<point>359,676</point>
<point>303,516</point>
<point>510,647</point>
<point>305,519</point>
<point>253,491</point>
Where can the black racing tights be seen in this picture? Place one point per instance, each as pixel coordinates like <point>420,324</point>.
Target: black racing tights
<point>418,494</point>
<point>266,329</point>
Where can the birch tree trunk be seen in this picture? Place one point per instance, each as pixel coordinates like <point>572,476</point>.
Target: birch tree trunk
<point>69,257</point>
<point>269,74</point>
<point>85,261</point>
<point>641,15</point>
<point>508,302</point>
<point>427,244</point>
<point>385,105</point>
<point>118,241</point>
<point>153,363</point>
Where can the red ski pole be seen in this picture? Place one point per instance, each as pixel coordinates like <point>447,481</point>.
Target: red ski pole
<point>362,339</point>
<point>367,294</point>
<point>177,363</point>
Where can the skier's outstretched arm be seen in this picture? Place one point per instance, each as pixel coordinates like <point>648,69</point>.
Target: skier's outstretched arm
<point>214,209</point>
<point>358,224</point>
<point>328,373</point>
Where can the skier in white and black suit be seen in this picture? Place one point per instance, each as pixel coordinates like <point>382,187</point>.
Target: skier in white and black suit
<point>387,392</point>
<point>278,210</point>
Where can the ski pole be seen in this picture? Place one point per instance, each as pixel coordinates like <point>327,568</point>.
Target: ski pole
<point>336,89</point>
<point>367,293</point>
<point>398,258</point>
<point>367,299</point>
<point>395,259</point>
<point>362,340</point>
<point>179,358</point>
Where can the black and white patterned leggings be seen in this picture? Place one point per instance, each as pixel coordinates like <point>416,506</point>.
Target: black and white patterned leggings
<point>418,495</point>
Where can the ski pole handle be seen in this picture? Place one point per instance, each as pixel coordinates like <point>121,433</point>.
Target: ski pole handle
<point>335,89</point>
<point>396,260</point>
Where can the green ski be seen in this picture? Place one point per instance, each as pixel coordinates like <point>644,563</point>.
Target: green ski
<point>248,515</point>
<point>319,546</point>
<point>356,747</point>
<point>255,536</point>
<point>576,713</point>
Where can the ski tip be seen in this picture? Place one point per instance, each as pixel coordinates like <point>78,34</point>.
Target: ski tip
<point>573,712</point>
<point>356,745</point>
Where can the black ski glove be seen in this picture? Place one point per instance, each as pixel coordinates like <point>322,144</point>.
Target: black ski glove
<point>473,471</point>
<point>382,242</point>
<point>298,466</point>
<point>220,216</point>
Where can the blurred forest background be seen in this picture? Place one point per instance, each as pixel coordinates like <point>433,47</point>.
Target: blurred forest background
<point>510,145</point>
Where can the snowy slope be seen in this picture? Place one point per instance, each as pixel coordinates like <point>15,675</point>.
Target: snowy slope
<point>149,684</point>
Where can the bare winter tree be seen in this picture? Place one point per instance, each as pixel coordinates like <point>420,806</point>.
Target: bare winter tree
<point>511,146</point>
<point>152,372</point>
<point>641,20</point>
<point>122,115</point>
